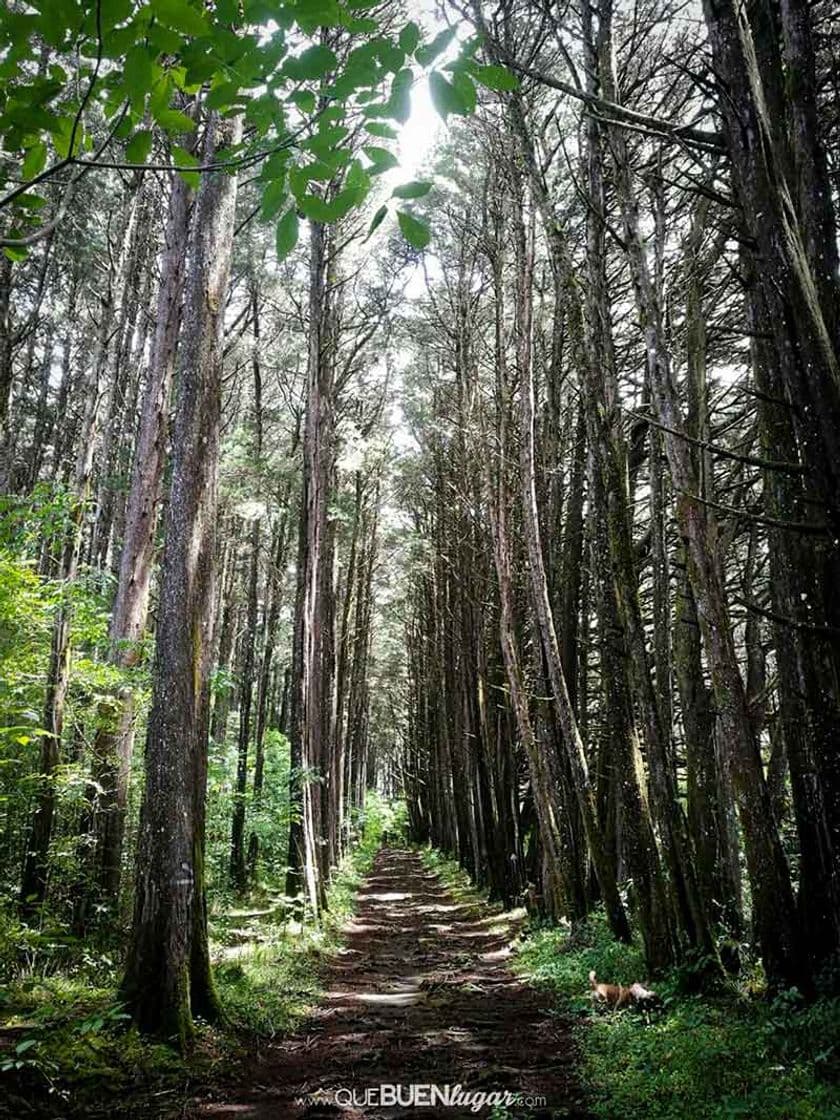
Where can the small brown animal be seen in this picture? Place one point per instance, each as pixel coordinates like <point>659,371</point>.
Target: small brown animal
<point>616,996</point>
<point>611,995</point>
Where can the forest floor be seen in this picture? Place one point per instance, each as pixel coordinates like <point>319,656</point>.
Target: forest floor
<point>420,994</point>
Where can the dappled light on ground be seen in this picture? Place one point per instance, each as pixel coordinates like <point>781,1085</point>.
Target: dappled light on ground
<point>419,995</point>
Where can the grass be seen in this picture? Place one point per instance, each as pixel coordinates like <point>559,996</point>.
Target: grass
<point>731,1056</point>
<point>701,1058</point>
<point>66,1049</point>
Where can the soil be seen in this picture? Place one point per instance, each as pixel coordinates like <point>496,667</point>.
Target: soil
<point>420,995</point>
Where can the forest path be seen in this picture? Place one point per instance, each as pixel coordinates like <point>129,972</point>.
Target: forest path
<point>420,994</point>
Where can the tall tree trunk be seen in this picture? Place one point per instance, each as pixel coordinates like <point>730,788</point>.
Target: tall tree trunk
<point>238,864</point>
<point>168,976</point>
<point>312,686</point>
<point>772,895</point>
<point>602,862</point>
<point>114,743</point>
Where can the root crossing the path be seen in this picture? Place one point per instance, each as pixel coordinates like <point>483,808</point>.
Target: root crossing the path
<point>420,996</point>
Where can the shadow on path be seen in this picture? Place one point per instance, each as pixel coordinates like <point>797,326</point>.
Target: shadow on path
<point>420,994</point>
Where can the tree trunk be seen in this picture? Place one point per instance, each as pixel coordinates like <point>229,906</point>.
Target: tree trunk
<point>168,976</point>
<point>114,743</point>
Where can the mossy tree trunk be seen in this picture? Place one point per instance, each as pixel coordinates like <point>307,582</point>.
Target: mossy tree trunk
<point>167,978</point>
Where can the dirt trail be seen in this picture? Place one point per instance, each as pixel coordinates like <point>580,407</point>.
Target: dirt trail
<point>421,994</point>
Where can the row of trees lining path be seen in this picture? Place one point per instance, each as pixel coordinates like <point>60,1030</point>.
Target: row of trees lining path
<point>419,995</point>
<point>581,612</point>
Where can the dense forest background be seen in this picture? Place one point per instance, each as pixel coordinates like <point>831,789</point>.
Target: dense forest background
<point>510,491</point>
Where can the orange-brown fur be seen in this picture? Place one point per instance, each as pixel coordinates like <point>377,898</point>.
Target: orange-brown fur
<point>612,995</point>
<point>616,996</point>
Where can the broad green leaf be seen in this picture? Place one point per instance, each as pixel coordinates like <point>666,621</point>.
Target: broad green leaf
<point>379,128</point>
<point>173,120</point>
<point>183,160</point>
<point>61,135</point>
<point>345,201</point>
<point>316,209</point>
<point>138,74</point>
<point>357,184</point>
<point>416,189</point>
<point>382,159</point>
<point>409,37</point>
<point>274,195</point>
<point>415,232</point>
<point>30,118</point>
<point>399,103</point>
<point>139,147</point>
<point>305,100</point>
<point>325,140</point>
<point>30,201</point>
<point>315,62</point>
<point>180,16</point>
<point>360,25</point>
<point>165,40</point>
<point>495,77</point>
<point>35,160</point>
<point>438,45</point>
<point>287,233</point>
<point>449,98</point>
<point>312,14</point>
<point>222,95</point>
<point>465,89</point>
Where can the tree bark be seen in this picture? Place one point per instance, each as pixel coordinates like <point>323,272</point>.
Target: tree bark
<point>168,977</point>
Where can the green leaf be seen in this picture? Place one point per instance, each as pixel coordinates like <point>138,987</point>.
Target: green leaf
<point>221,95</point>
<point>180,16</point>
<point>379,128</point>
<point>287,233</point>
<point>274,195</point>
<point>409,37</point>
<point>173,120</point>
<point>416,189</point>
<point>446,97</point>
<point>465,89</point>
<point>315,62</point>
<point>305,100</point>
<point>326,140</point>
<point>61,135</point>
<point>312,14</point>
<point>316,209</point>
<point>138,74</point>
<point>382,159</point>
<point>137,151</point>
<point>416,233</point>
<point>378,219</point>
<point>30,201</point>
<point>184,159</point>
<point>35,160</point>
<point>438,45</point>
<point>495,77</point>
<point>399,102</point>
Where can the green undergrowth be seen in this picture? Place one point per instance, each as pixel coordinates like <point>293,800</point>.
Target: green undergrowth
<point>453,877</point>
<point>66,1048</point>
<point>719,1057</point>
<point>728,1056</point>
